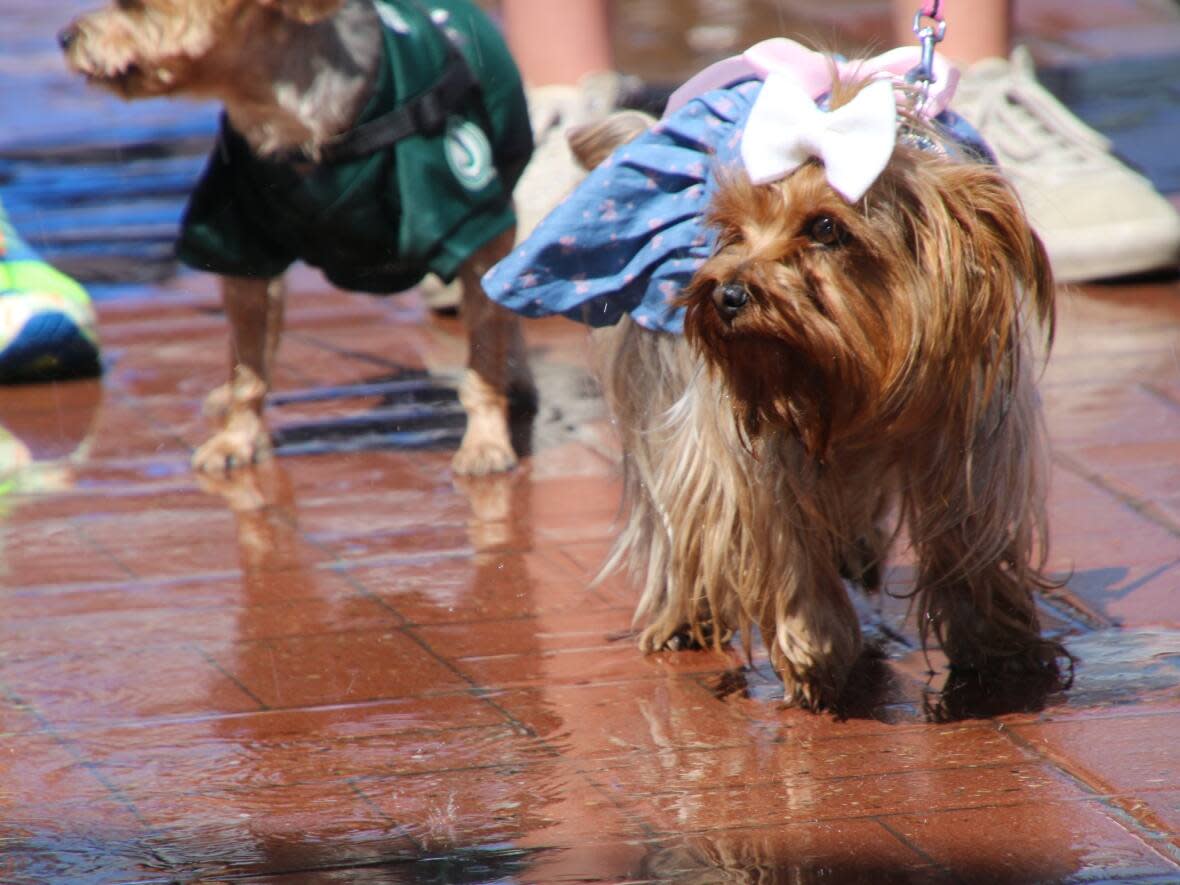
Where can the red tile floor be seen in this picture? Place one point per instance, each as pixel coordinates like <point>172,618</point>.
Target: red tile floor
<point>347,666</point>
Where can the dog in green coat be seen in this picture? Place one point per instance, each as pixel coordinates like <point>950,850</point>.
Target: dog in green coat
<point>377,140</point>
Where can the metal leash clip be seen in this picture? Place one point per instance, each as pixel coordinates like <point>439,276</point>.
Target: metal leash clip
<point>929,35</point>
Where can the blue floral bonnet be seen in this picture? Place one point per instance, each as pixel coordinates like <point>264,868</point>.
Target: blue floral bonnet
<point>630,237</point>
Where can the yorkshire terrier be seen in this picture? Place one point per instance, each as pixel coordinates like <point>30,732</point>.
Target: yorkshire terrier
<point>375,139</point>
<point>856,366</point>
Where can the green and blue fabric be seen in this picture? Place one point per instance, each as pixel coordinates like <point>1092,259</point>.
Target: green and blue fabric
<point>47,324</point>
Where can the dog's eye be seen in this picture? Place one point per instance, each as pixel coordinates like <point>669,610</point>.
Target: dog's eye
<point>825,230</point>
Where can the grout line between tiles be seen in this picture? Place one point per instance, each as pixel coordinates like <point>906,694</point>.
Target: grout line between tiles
<point>1143,508</point>
<point>216,665</point>
<point>92,768</point>
<point>1148,832</point>
<point>912,846</point>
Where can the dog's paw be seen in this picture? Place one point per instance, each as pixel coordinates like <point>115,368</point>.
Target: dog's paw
<point>231,449</point>
<point>813,692</point>
<point>482,458</point>
<point>658,638</point>
<point>1034,657</point>
<point>218,402</point>
<point>813,682</point>
<point>681,640</point>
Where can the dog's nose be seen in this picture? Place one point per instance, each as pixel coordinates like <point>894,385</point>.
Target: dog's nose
<point>730,298</point>
<point>66,36</point>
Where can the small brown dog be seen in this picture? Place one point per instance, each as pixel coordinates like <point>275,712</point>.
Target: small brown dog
<point>856,365</point>
<point>375,139</point>
<point>866,369</point>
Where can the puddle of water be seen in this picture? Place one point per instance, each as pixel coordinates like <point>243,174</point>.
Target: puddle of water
<point>1124,667</point>
<point>414,410</point>
<point>217,799</point>
<point>252,801</point>
<point>409,410</point>
<point>766,859</point>
<point>41,858</point>
<point>41,448</point>
<point>1111,667</point>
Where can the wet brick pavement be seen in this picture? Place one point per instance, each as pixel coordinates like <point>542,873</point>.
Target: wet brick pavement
<point>347,666</point>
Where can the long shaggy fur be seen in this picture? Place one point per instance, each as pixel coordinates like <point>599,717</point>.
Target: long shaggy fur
<point>291,73</point>
<point>877,381</point>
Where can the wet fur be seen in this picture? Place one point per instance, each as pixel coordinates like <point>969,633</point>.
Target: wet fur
<point>291,75</point>
<point>878,386</point>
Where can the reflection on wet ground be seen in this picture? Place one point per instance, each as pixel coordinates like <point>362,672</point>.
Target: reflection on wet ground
<point>355,668</point>
<point>348,666</point>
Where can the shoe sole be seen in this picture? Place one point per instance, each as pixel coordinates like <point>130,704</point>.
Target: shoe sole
<point>49,347</point>
<point>1081,259</point>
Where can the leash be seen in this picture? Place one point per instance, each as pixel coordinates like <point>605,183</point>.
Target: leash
<point>929,35</point>
<point>424,114</point>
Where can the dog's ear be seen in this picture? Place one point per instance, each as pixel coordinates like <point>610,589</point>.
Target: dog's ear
<point>983,280</point>
<point>997,236</point>
<point>306,11</point>
<point>594,142</point>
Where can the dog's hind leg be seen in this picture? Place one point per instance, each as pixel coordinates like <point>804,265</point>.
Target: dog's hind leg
<point>496,364</point>
<point>863,560</point>
<point>254,308</point>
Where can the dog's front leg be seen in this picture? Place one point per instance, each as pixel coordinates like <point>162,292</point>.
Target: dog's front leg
<point>981,559</point>
<point>813,636</point>
<point>254,308</point>
<point>495,362</point>
<point>983,612</point>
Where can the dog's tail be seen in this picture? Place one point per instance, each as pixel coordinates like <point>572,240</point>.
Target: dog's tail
<point>594,142</point>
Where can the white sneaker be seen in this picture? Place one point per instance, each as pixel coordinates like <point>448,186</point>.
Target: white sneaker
<point>1097,218</point>
<point>553,172</point>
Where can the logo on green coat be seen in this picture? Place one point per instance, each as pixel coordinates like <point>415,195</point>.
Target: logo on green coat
<point>469,154</point>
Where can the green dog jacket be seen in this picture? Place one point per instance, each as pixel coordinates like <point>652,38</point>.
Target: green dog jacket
<point>378,222</point>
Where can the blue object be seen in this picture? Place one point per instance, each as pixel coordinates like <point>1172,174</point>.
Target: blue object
<point>631,235</point>
<point>47,324</point>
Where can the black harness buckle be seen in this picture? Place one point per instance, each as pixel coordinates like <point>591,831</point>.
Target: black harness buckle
<point>430,113</point>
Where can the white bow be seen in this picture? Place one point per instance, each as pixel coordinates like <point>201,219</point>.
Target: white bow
<point>785,129</point>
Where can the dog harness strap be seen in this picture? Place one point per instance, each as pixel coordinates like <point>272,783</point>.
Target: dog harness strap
<point>424,114</point>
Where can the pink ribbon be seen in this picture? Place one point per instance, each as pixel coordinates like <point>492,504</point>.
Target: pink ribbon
<point>932,9</point>
<point>814,71</point>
